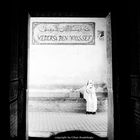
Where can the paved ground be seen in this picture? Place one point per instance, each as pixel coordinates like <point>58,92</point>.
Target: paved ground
<point>46,123</point>
<point>43,123</point>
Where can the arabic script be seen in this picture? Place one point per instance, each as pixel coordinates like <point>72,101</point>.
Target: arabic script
<point>63,33</point>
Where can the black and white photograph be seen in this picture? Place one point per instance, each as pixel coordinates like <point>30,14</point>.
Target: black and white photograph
<point>74,74</point>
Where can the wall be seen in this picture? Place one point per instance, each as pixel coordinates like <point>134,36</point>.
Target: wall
<point>68,64</point>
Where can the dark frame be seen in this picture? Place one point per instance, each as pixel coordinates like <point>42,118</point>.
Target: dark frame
<point>120,57</point>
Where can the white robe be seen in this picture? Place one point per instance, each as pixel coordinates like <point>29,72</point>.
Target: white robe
<point>91,99</point>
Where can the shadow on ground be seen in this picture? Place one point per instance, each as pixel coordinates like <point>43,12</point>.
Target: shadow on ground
<point>72,135</point>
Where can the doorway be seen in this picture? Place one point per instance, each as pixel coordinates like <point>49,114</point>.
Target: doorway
<point>60,63</point>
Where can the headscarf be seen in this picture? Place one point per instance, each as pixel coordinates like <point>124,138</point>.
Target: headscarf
<point>90,89</point>
<point>90,82</point>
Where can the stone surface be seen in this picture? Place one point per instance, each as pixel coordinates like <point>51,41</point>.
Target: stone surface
<point>44,124</point>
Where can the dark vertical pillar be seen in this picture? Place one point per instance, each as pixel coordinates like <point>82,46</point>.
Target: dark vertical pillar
<point>121,70</point>
<point>135,75</point>
<point>126,62</point>
<point>18,74</point>
<point>14,77</point>
<point>22,71</point>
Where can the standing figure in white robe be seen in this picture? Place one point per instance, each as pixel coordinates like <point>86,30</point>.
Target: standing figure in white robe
<point>91,98</point>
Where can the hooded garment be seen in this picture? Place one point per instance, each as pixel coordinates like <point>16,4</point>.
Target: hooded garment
<point>90,97</point>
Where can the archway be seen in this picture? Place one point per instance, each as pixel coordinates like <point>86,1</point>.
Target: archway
<point>108,60</point>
